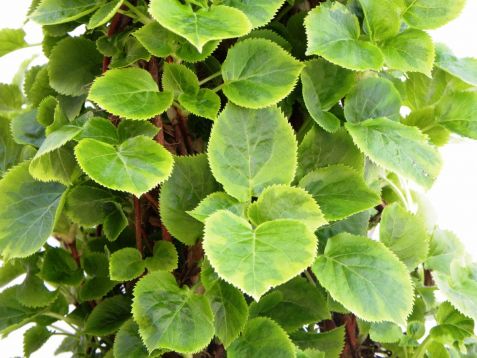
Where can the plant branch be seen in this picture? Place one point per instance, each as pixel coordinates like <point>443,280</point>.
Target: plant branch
<point>138,224</point>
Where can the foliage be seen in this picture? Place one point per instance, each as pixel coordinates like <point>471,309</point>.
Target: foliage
<point>234,178</point>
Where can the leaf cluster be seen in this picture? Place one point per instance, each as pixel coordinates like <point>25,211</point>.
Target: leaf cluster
<point>234,178</point>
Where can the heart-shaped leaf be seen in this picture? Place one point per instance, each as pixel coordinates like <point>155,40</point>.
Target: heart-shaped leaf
<point>130,93</point>
<point>333,33</point>
<point>171,317</point>
<point>256,259</point>
<point>258,145</point>
<point>136,166</point>
<point>199,27</point>
<point>258,73</point>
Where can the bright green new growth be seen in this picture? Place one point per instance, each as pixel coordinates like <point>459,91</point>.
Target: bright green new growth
<point>199,27</point>
<point>256,259</point>
<point>136,166</point>
<point>258,73</point>
<point>234,178</point>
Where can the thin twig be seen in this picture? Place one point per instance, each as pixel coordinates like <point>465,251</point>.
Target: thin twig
<point>138,223</point>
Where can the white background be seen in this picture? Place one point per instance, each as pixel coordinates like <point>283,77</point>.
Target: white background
<point>454,195</point>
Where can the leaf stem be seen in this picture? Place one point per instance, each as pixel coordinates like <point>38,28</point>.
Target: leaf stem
<point>218,88</point>
<point>63,331</point>
<point>139,15</point>
<point>61,318</point>
<point>211,77</point>
<point>396,190</point>
<point>419,353</point>
<point>309,277</point>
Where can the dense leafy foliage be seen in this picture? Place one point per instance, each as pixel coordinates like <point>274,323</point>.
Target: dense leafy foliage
<point>234,178</point>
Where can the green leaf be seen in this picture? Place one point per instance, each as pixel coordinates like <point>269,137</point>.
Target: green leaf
<point>130,93</point>
<point>95,288</point>
<point>34,338</point>
<point>251,149</point>
<point>256,259</point>
<point>181,193</point>
<point>386,332</point>
<point>269,35</point>
<point>58,165</point>
<point>107,317</point>
<point>215,202</point>
<point>37,85</point>
<point>411,50</point>
<point>77,53</point>
<point>126,264</point>
<point>333,33</point>
<point>366,278</point>
<point>422,91</point>
<point>136,166</point>
<point>59,267</point>
<point>33,293</point>
<point>258,73</point>
<point>171,317</point>
<point>323,85</point>
<point>404,234</point>
<point>10,270</point>
<point>340,191</point>
<point>452,325</point>
<point>356,224</point>
<point>10,151</point>
<point>26,130</point>
<point>128,342</point>
<point>85,204</point>
<point>129,129</point>
<point>292,305</point>
<point>382,18</point>
<point>431,14</point>
<point>319,149</point>
<point>460,287</point>
<point>445,246</point>
<point>178,79</point>
<point>205,103</point>
<point>199,27</point>
<point>285,202</point>
<point>228,305</point>
<point>95,264</point>
<point>130,50</point>
<point>463,68</point>
<point>397,147</point>
<point>11,40</point>
<point>51,12</point>
<point>100,129</point>
<point>115,221</point>
<point>262,337</point>
<point>12,313</point>
<point>28,212</point>
<point>458,112</point>
<point>372,97</point>
<point>104,13</point>
<point>10,97</point>
<point>259,12</point>
<point>164,257</point>
<point>425,120</point>
<point>171,44</point>
<point>330,342</point>
<point>58,139</point>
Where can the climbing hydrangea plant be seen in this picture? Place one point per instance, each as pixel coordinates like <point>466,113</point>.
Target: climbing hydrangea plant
<point>234,178</point>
